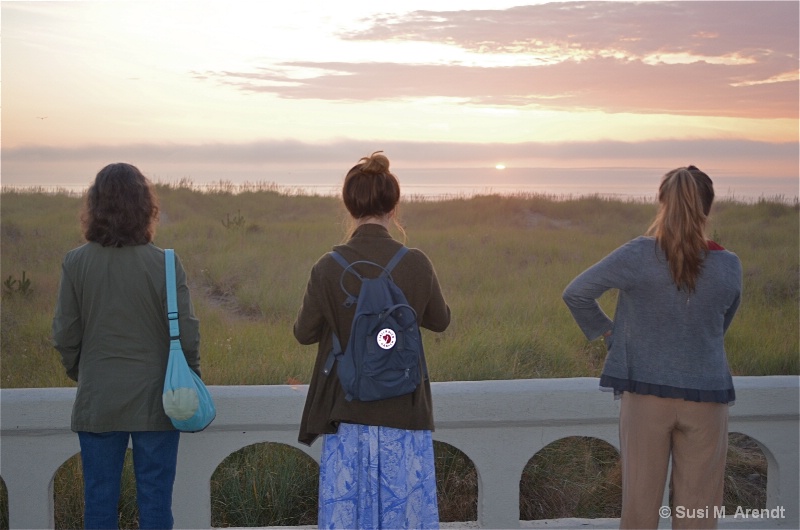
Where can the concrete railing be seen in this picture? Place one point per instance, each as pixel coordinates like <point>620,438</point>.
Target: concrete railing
<point>499,425</point>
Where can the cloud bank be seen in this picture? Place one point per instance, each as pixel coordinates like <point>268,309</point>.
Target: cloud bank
<point>735,59</point>
<point>414,154</point>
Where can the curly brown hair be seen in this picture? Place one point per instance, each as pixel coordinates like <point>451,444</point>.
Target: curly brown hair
<point>121,207</point>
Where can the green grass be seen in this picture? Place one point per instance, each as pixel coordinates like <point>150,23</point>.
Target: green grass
<point>502,262</point>
<point>572,477</point>
<point>251,487</point>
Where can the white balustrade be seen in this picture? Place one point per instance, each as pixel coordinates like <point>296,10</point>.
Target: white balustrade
<point>499,425</point>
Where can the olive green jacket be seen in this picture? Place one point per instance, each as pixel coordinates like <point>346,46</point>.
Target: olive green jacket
<point>110,327</point>
<point>322,314</point>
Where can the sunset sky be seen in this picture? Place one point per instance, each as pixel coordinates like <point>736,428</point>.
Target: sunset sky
<point>209,89</point>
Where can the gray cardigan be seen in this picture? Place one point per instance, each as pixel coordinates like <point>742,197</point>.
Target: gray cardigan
<point>664,341</point>
<point>110,327</point>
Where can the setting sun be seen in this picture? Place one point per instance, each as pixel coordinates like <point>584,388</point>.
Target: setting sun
<point>500,166</point>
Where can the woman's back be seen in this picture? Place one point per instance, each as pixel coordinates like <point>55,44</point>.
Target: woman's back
<point>111,327</point>
<point>121,293</point>
<point>323,313</point>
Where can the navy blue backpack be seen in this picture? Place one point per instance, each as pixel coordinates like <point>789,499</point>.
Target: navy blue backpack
<point>382,358</point>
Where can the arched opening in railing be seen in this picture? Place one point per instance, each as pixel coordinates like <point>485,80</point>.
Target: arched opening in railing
<point>68,494</point>
<point>456,484</point>
<point>745,474</point>
<point>578,476</point>
<point>265,484</point>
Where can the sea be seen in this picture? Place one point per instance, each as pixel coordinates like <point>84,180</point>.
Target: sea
<point>443,183</point>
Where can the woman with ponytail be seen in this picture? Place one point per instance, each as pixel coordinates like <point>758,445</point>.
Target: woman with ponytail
<point>376,467</point>
<point>678,293</point>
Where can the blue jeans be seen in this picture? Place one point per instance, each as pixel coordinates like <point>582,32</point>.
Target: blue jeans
<point>155,457</point>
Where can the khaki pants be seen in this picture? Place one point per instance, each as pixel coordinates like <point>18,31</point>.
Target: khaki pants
<point>696,435</point>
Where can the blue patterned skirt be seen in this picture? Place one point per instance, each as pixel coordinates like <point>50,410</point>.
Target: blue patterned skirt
<point>377,477</point>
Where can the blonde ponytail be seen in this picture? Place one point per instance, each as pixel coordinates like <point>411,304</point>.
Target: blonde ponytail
<point>685,196</point>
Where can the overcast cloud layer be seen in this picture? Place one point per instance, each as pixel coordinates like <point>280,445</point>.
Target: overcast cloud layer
<point>417,154</point>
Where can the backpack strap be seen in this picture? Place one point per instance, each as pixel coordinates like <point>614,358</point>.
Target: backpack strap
<point>335,352</point>
<point>348,267</point>
<point>333,355</point>
<point>396,259</point>
<point>343,262</point>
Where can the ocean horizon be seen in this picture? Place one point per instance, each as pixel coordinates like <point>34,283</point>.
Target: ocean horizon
<point>440,183</point>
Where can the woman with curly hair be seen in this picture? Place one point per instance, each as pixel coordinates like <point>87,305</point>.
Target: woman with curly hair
<point>110,327</point>
<point>678,293</point>
<point>377,467</point>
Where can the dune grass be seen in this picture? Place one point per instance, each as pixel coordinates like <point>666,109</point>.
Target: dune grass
<point>503,262</point>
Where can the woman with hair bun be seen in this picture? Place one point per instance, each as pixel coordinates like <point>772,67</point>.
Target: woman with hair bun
<point>678,293</point>
<point>377,466</point>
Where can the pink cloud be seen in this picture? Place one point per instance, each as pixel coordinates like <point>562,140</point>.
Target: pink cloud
<point>611,85</point>
<point>636,28</point>
<point>691,58</point>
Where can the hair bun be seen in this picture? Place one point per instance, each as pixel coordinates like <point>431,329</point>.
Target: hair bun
<point>376,163</point>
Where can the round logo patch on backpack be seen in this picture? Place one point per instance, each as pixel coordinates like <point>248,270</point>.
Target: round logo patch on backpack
<point>386,338</point>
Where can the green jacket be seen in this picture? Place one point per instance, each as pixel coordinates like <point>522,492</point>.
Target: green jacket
<point>110,327</point>
<point>322,314</point>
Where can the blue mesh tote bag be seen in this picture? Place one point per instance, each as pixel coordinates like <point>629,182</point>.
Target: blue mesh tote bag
<point>186,400</point>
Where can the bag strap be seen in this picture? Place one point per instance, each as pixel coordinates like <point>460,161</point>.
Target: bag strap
<point>348,267</point>
<point>343,262</point>
<point>335,352</point>
<point>396,259</point>
<point>172,299</point>
<point>387,269</point>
